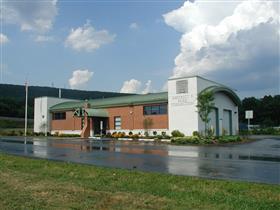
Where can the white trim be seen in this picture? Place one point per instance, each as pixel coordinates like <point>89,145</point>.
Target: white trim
<point>78,132</point>
<point>141,131</point>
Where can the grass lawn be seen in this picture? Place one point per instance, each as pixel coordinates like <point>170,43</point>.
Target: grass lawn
<point>40,184</point>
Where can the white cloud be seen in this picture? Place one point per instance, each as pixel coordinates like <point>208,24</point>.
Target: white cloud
<point>188,16</point>
<point>87,38</point>
<point>3,39</point>
<point>135,86</point>
<point>37,16</point>
<point>134,26</point>
<point>165,87</point>
<point>41,38</point>
<point>231,39</point>
<point>80,78</point>
<point>148,87</point>
<point>131,86</point>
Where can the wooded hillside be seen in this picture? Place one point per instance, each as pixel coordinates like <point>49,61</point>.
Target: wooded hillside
<point>12,97</point>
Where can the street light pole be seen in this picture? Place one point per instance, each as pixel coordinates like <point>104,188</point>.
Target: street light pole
<point>26,104</point>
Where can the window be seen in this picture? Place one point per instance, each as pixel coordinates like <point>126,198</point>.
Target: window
<point>118,123</point>
<point>59,116</point>
<point>182,86</point>
<point>155,109</point>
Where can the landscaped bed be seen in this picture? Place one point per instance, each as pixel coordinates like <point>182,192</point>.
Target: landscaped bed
<point>42,184</point>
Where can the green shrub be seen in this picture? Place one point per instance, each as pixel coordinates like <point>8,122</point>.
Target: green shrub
<point>20,132</point>
<point>266,131</point>
<point>227,139</point>
<point>159,137</point>
<point>177,133</point>
<point>186,140</point>
<point>204,140</point>
<point>146,133</point>
<point>208,141</point>
<point>108,135</point>
<point>196,133</point>
<point>261,131</point>
<point>12,133</point>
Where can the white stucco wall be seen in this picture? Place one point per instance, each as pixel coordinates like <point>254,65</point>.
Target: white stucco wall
<point>182,110</point>
<point>41,112</point>
<point>203,83</point>
<point>223,102</point>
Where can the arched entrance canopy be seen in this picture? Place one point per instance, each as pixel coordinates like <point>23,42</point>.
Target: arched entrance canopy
<point>230,93</point>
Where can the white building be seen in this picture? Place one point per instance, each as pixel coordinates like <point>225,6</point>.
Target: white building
<point>182,101</point>
<point>172,110</point>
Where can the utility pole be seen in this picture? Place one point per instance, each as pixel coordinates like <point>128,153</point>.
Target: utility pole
<point>59,93</point>
<point>26,104</point>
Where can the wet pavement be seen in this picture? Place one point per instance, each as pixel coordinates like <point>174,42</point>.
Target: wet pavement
<point>258,161</point>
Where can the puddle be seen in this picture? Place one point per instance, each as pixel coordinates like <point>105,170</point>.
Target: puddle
<point>254,163</point>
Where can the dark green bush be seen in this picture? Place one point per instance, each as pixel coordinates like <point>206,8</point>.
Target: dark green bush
<point>177,133</point>
<point>196,133</point>
<point>204,140</point>
<point>261,131</point>
<point>208,141</point>
<point>108,135</point>
<point>186,140</point>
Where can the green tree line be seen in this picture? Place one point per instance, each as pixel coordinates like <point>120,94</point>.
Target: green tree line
<point>266,110</point>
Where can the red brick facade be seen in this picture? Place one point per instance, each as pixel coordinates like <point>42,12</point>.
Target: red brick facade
<point>70,123</point>
<point>132,117</point>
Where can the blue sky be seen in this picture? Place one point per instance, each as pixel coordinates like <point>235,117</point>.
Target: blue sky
<point>134,46</point>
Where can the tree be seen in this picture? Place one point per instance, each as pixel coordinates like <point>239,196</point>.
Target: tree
<point>205,105</point>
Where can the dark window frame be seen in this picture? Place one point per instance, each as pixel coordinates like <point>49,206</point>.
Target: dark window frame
<point>155,109</point>
<point>59,116</point>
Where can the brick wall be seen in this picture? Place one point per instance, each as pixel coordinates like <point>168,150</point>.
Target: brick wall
<point>132,118</point>
<point>70,123</point>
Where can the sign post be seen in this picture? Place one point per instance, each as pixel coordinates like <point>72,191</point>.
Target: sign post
<point>26,105</point>
<point>248,116</point>
<point>101,128</point>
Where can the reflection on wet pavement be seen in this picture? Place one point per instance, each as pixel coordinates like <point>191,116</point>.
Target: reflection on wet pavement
<point>257,161</point>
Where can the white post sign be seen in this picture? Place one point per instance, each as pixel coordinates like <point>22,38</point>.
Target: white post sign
<point>249,115</point>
